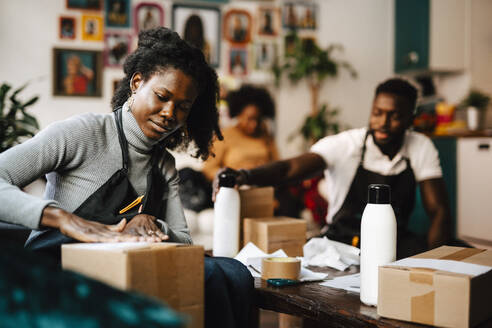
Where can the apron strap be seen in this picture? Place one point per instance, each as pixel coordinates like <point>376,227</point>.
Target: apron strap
<point>121,137</point>
<point>363,152</point>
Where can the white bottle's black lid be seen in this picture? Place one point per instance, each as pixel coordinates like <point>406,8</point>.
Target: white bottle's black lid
<point>379,194</point>
<point>227,180</point>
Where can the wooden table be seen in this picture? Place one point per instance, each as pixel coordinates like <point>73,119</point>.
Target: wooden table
<point>321,306</point>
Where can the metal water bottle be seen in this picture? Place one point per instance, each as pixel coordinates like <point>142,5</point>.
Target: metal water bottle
<point>378,240</point>
<point>226,217</point>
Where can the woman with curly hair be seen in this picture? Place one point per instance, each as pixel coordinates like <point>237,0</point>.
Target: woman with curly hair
<point>97,165</point>
<point>247,144</point>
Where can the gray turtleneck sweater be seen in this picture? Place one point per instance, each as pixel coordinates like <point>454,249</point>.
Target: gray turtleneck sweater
<point>79,155</point>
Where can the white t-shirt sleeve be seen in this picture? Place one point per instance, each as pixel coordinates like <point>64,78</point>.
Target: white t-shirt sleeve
<point>425,159</point>
<point>336,148</point>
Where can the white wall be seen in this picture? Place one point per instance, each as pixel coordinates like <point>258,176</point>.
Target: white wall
<point>364,28</point>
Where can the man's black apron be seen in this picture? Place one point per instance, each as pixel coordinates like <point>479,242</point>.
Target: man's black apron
<point>346,222</point>
<point>106,202</point>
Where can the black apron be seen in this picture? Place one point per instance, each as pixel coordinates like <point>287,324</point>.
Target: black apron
<point>106,202</point>
<point>345,226</point>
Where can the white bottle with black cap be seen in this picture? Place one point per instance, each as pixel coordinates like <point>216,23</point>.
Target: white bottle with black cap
<point>377,240</point>
<point>226,217</point>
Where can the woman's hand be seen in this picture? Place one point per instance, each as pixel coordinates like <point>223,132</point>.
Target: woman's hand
<point>143,226</point>
<point>83,230</point>
<point>240,176</point>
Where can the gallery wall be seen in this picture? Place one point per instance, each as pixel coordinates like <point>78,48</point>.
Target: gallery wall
<point>29,31</point>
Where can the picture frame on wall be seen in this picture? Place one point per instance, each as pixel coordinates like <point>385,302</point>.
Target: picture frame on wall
<point>77,72</point>
<point>238,61</point>
<point>268,21</point>
<point>148,15</point>
<point>265,54</point>
<point>199,26</point>
<point>84,4</point>
<point>299,15</point>
<point>237,26</point>
<point>67,27</point>
<point>117,13</point>
<point>92,28</point>
<point>116,48</point>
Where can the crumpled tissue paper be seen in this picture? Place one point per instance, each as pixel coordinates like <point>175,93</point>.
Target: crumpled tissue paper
<point>325,252</point>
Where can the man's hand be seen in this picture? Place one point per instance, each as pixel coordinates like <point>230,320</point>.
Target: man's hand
<point>143,226</point>
<point>83,230</point>
<point>241,178</point>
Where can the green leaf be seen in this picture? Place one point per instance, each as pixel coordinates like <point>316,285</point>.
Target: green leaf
<point>15,123</point>
<point>30,101</point>
<point>3,93</point>
<point>30,120</point>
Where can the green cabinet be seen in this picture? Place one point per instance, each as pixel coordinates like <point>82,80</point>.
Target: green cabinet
<point>419,221</point>
<point>411,35</point>
<point>430,35</point>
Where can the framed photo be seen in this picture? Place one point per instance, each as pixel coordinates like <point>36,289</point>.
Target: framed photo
<point>238,61</point>
<point>268,21</point>
<point>116,48</point>
<point>67,27</point>
<point>237,26</point>
<point>84,4</point>
<point>265,54</point>
<point>299,15</point>
<point>117,13</point>
<point>77,72</point>
<point>200,26</point>
<point>148,15</point>
<point>92,28</point>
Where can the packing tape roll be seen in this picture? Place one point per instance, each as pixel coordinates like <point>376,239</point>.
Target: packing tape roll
<point>280,267</point>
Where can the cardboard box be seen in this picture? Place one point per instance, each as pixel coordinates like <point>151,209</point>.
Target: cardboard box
<point>447,287</point>
<point>257,202</point>
<point>273,233</point>
<point>172,273</point>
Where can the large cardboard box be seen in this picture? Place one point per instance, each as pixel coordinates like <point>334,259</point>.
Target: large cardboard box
<point>447,287</point>
<point>273,233</point>
<point>170,272</point>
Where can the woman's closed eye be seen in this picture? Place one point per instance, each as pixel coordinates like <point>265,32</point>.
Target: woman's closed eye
<point>161,97</point>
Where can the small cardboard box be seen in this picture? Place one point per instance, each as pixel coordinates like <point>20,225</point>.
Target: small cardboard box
<point>257,202</point>
<point>273,233</point>
<point>447,287</point>
<point>170,272</point>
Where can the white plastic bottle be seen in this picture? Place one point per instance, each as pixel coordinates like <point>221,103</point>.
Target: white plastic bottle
<point>377,240</point>
<point>226,218</point>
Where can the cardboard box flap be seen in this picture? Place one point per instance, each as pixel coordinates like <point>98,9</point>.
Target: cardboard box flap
<point>109,247</point>
<point>443,266</point>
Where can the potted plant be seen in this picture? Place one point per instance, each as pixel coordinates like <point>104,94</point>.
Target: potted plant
<point>476,103</point>
<point>15,123</point>
<point>304,59</point>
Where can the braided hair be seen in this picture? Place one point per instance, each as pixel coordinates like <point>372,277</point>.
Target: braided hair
<point>159,49</point>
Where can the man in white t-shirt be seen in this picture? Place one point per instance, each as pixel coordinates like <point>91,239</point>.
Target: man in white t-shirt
<point>386,152</point>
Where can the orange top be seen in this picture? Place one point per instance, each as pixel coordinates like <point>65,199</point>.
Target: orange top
<point>240,151</point>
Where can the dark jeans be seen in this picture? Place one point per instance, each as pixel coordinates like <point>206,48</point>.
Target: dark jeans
<point>229,290</point>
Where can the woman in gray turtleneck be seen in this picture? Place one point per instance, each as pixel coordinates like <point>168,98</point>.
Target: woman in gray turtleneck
<point>110,176</point>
